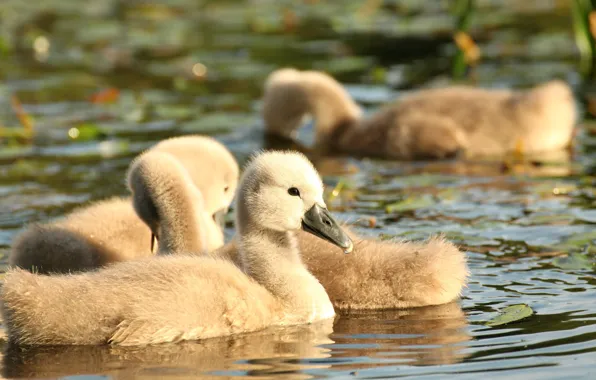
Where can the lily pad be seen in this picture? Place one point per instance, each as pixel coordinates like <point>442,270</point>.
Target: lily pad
<point>410,203</point>
<point>579,242</point>
<point>575,261</point>
<point>511,314</point>
<point>85,132</point>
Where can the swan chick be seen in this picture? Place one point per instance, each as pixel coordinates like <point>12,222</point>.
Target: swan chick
<point>110,230</point>
<point>432,123</point>
<point>182,297</point>
<point>381,274</point>
<point>167,200</point>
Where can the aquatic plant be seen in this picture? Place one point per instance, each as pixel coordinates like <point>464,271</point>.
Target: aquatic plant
<point>583,13</point>
<point>468,52</point>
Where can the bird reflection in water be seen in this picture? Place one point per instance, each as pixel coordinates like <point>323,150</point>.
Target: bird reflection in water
<point>422,336</point>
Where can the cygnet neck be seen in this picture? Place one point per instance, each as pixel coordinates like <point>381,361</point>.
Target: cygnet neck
<point>270,257</point>
<point>165,198</point>
<point>331,106</point>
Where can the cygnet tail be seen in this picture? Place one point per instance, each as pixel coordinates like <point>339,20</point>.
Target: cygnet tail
<point>43,310</point>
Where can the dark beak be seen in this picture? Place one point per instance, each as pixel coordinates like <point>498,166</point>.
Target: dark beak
<point>319,222</point>
<point>220,218</point>
<point>153,241</point>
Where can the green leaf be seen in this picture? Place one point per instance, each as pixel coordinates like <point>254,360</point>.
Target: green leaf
<point>410,203</point>
<point>511,314</point>
<point>15,133</point>
<point>575,261</point>
<point>583,37</point>
<point>85,132</point>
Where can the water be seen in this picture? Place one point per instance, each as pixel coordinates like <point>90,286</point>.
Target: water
<point>528,231</point>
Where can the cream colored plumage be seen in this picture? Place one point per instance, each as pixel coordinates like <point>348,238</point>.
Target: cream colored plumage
<point>381,274</point>
<point>110,230</point>
<point>182,297</point>
<point>433,123</point>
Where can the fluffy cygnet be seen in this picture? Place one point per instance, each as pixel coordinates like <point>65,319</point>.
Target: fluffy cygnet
<point>433,123</point>
<point>182,297</point>
<point>381,274</point>
<point>110,230</point>
<point>166,199</point>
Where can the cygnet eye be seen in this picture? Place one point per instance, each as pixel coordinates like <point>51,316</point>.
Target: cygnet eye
<point>294,192</point>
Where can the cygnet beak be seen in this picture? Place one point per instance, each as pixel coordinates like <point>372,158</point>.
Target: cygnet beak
<point>220,218</point>
<point>154,240</point>
<point>319,222</point>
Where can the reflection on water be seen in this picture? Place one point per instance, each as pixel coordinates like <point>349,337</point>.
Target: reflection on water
<point>426,336</point>
<point>526,223</point>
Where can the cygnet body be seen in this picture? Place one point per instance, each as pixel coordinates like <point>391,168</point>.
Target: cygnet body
<point>381,274</point>
<point>432,123</point>
<point>110,230</point>
<point>181,297</point>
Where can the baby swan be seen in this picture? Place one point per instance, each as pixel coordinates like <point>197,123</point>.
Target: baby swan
<point>380,274</point>
<point>108,231</point>
<point>166,199</point>
<point>182,297</point>
<point>433,123</point>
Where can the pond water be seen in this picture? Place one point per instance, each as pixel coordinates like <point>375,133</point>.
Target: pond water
<point>101,81</point>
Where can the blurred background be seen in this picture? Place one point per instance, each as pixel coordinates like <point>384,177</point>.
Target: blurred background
<point>86,85</point>
<point>84,82</point>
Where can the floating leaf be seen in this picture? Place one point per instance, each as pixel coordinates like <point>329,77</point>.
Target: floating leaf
<point>23,168</point>
<point>379,75</point>
<point>113,148</point>
<point>511,314</point>
<point>4,47</point>
<point>575,261</point>
<point>217,122</point>
<point>343,65</point>
<point>14,133</point>
<point>551,219</point>
<point>175,111</point>
<point>85,132</point>
<point>579,241</point>
<point>410,203</point>
<point>588,216</point>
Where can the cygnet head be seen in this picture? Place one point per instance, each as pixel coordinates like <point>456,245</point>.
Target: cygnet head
<point>285,103</point>
<point>290,95</point>
<point>167,200</point>
<point>282,191</point>
<point>211,167</point>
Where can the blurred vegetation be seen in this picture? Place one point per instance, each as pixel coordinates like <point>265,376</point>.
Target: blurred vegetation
<point>584,26</point>
<point>468,52</point>
<point>203,48</point>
